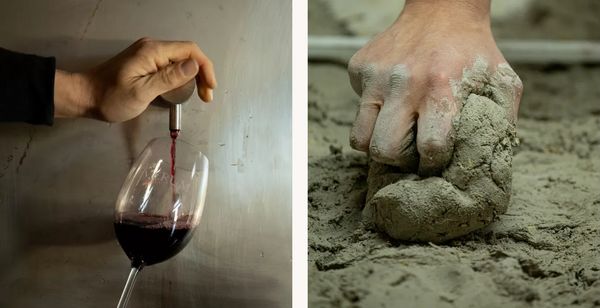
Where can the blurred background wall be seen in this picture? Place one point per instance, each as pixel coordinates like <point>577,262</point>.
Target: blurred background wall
<point>512,19</point>
<point>58,184</point>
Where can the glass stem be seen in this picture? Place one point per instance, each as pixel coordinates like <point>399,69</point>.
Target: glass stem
<point>129,286</point>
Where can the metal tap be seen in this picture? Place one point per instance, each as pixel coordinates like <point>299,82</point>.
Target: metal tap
<point>176,98</point>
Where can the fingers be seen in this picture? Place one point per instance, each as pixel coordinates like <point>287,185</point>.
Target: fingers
<point>206,94</point>
<point>178,51</point>
<point>393,137</point>
<point>384,124</point>
<point>364,83</point>
<point>165,52</point>
<point>206,81</point>
<point>362,128</point>
<point>411,127</point>
<point>434,140</point>
<point>171,77</point>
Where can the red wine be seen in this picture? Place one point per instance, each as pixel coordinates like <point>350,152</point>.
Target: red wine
<point>150,239</point>
<point>174,135</point>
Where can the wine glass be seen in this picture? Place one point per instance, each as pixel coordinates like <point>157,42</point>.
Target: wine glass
<point>160,204</point>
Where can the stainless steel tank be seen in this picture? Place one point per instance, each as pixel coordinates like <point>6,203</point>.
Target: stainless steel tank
<point>58,184</point>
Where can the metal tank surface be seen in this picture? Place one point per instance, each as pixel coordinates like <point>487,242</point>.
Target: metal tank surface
<point>58,185</point>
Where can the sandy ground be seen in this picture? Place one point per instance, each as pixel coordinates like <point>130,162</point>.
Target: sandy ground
<point>542,253</point>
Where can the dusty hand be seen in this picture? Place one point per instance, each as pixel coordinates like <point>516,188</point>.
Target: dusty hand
<point>123,87</point>
<point>410,80</point>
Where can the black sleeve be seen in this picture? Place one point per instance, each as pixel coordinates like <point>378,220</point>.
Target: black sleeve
<point>26,88</point>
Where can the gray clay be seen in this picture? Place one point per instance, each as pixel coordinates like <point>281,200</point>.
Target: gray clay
<point>473,190</point>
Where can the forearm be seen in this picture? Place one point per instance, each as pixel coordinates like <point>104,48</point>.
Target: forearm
<point>71,99</point>
<point>465,10</point>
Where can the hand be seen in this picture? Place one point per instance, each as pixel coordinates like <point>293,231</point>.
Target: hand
<point>123,87</point>
<point>406,75</point>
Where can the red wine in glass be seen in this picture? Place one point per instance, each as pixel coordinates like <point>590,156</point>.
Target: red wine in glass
<point>150,239</point>
<point>156,211</point>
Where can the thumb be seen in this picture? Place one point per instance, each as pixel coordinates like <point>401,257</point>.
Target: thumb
<point>172,76</point>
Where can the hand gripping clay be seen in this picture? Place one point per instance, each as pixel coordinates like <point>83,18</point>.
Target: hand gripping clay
<point>472,191</point>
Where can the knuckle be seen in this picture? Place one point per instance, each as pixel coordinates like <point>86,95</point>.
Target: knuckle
<point>368,76</point>
<point>147,46</point>
<point>144,40</point>
<point>399,77</point>
<point>189,45</point>
<point>369,72</point>
<point>360,67</point>
<point>354,64</point>
<point>438,78</point>
<point>143,43</point>
<point>354,73</point>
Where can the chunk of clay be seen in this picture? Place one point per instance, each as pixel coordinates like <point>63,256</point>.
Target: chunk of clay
<point>473,190</point>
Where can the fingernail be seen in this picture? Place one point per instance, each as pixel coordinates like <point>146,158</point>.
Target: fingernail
<point>189,67</point>
<point>210,95</point>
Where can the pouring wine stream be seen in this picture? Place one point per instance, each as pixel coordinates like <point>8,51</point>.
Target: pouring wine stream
<point>176,98</point>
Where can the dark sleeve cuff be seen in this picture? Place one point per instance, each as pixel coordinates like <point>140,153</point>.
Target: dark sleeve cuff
<point>26,88</point>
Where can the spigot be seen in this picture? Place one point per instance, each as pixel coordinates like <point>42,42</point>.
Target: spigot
<point>175,117</point>
<point>176,98</point>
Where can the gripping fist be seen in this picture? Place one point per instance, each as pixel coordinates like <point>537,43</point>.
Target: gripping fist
<point>410,79</point>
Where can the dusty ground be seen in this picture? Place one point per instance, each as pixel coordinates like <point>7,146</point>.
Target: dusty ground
<point>543,253</point>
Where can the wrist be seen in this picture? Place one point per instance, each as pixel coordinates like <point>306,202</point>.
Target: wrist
<point>475,13</point>
<point>72,95</point>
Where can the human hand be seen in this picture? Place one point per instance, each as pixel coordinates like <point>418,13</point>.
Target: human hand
<point>123,87</point>
<point>414,76</point>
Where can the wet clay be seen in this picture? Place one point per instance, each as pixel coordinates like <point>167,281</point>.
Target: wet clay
<point>472,191</point>
<point>475,187</point>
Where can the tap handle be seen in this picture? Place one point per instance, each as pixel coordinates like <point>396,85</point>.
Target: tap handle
<point>180,95</point>
<point>176,97</point>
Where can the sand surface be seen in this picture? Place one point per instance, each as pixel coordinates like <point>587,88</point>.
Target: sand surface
<point>543,252</point>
